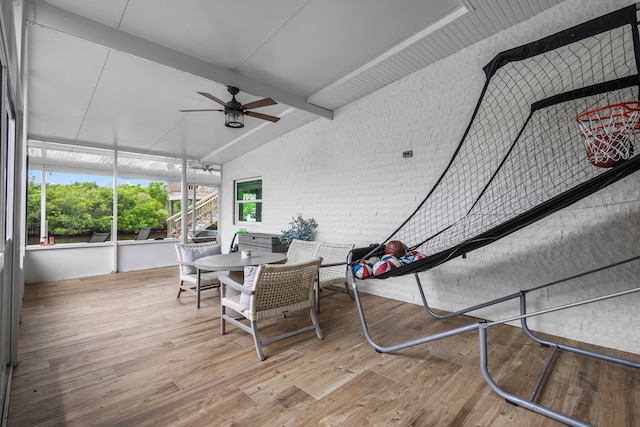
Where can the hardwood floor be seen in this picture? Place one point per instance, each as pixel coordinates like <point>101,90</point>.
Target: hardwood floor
<point>121,350</point>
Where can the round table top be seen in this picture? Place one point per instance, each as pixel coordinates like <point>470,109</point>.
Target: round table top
<point>234,262</point>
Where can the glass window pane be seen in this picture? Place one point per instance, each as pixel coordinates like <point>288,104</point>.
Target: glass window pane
<point>76,206</point>
<point>33,210</point>
<point>205,227</point>
<point>249,201</point>
<point>250,212</point>
<point>142,204</point>
<point>148,192</point>
<point>249,190</point>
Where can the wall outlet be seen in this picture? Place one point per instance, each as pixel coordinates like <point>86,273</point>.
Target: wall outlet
<point>407,154</point>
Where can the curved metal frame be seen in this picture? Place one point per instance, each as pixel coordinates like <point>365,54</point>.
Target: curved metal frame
<point>481,327</point>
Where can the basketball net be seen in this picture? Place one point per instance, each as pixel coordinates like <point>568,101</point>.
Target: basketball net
<point>606,132</point>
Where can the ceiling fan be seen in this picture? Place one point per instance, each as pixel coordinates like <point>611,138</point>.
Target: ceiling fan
<point>234,112</point>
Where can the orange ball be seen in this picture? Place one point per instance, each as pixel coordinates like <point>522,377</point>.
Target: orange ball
<point>605,154</point>
<point>395,247</point>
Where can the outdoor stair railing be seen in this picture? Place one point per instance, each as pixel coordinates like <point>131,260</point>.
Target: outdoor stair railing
<point>206,214</point>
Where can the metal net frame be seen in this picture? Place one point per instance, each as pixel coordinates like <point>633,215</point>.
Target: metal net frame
<point>526,154</point>
<point>523,156</point>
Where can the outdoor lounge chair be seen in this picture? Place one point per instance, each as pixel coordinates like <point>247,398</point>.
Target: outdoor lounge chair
<point>99,237</point>
<point>143,233</point>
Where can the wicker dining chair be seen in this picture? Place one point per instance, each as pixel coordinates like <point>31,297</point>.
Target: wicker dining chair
<point>301,250</point>
<point>334,272</point>
<point>274,291</point>
<point>188,253</point>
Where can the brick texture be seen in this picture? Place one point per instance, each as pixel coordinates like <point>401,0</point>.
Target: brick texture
<point>349,174</point>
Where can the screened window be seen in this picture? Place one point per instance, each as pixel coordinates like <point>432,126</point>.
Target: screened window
<point>142,204</point>
<point>71,194</point>
<point>72,206</point>
<point>249,200</point>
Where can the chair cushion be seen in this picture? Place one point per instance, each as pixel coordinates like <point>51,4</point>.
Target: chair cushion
<point>192,254</point>
<point>249,278</point>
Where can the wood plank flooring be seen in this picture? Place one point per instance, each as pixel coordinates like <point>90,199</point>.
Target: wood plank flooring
<point>121,350</point>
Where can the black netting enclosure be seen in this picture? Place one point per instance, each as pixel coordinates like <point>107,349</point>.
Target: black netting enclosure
<point>557,120</point>
<point>523,155</point>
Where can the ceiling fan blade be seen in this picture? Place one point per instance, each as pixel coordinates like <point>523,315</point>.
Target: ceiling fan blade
<point>213,98</point>
<point>191,111</point>
<point>262,116</point>
<point>259,103</point>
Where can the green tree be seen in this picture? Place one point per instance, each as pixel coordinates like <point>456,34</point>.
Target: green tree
<point>82,207</point>
<point>142,207</point>
<point>33,203</point>
<point>79,208</point>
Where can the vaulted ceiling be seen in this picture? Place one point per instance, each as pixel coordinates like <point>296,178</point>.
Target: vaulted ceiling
<point>116,73</point>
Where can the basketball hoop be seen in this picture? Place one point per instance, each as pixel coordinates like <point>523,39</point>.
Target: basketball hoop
<point>606,132</point>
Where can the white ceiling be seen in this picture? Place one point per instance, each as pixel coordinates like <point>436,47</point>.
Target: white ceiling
<point>116,73</point>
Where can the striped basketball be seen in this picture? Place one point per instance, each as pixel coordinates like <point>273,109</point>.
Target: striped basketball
<point>386,263</point>
<point>362,270</point>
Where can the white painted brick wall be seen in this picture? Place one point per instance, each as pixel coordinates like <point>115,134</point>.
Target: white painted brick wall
<point>350,176</point>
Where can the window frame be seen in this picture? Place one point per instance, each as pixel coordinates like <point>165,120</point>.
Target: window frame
<point>117,165</point>
<point>237,203</point>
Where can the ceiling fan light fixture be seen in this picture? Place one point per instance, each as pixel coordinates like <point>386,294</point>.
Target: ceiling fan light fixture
<point>233,119</point>
<point>234,112</point>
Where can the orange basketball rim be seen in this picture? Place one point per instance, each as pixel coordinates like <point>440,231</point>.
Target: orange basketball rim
<point>606,131</point>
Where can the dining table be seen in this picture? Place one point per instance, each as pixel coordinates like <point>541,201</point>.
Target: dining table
<point>235,263</point>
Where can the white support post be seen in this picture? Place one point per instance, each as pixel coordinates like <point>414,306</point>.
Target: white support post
<point>194,214</point>
<point>43,205</point>
<point>114,222</point>
<point>184,203</point>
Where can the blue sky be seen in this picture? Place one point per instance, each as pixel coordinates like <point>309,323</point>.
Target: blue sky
<point>69,178</point>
